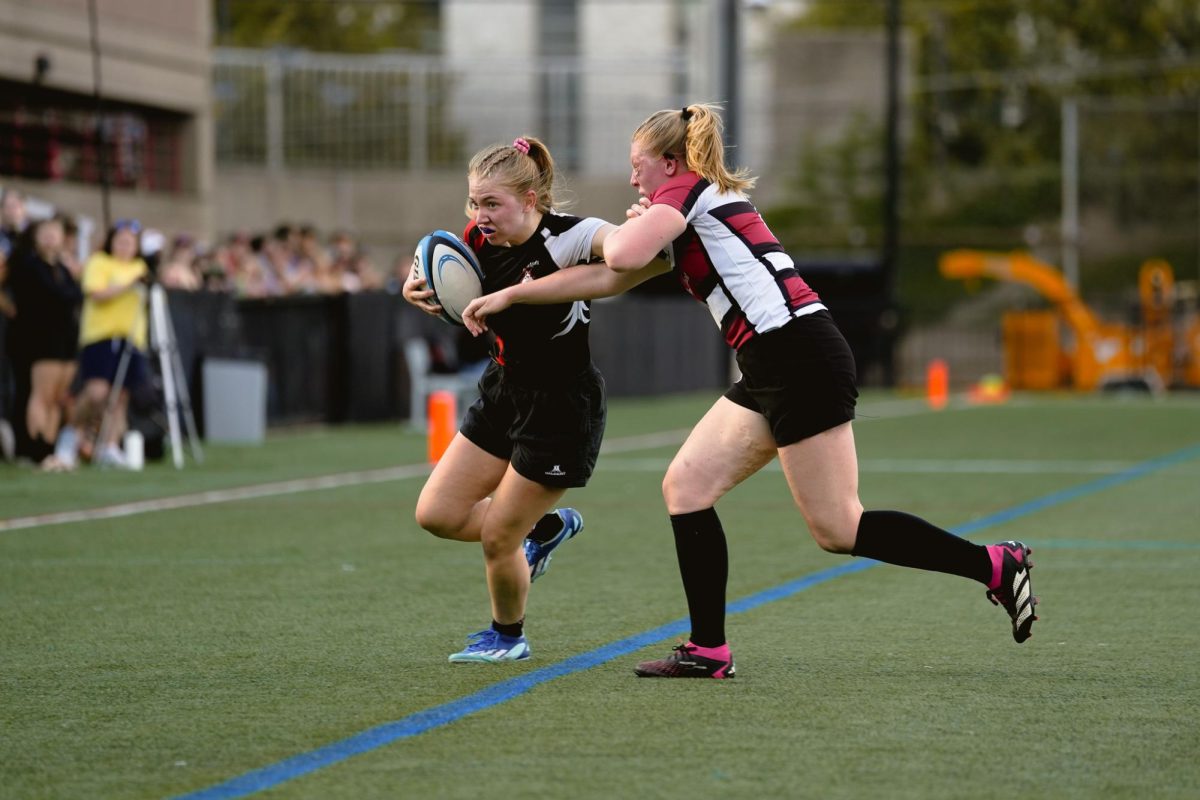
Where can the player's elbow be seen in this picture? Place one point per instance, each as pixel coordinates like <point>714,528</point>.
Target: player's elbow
<point>620,257</point>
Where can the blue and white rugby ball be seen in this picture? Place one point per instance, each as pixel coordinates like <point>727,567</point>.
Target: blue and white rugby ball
<point>451,271</point>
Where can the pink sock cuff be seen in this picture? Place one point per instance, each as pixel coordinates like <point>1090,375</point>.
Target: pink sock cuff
<point>717,653</point>
<point>997,555</point>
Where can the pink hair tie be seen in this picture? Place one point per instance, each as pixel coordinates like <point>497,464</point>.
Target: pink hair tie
<point>521,145</point>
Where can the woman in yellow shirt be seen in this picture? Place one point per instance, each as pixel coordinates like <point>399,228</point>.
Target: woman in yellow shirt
<point>113,321</point>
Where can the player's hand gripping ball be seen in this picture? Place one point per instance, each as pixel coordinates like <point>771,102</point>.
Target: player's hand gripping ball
<point>451,271</point>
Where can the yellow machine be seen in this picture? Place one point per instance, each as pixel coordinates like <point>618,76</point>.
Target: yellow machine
<point>1098,353</point>
<point>1156,290</point>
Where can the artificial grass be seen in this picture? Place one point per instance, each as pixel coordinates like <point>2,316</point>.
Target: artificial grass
<point>163,653</point>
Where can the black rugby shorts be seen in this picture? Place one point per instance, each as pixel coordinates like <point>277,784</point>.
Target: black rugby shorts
<point>550,434</point>
<point>801,377</point>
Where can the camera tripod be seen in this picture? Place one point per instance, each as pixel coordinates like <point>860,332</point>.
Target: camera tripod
<point>177,400</point>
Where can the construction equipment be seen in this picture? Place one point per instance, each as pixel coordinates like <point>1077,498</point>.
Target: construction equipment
<point>1097,353</point>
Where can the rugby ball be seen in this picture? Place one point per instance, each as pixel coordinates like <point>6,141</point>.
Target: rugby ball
<point>451,271</point>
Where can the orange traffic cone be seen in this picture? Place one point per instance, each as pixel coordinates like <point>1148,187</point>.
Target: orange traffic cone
<point>443,423</point>
<point>937,384</point>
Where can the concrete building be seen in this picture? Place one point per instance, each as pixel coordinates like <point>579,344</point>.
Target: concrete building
<point>152,133</point>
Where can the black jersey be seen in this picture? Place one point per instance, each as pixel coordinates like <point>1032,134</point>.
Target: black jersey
<point>48,299</point>
<point>537,343</point>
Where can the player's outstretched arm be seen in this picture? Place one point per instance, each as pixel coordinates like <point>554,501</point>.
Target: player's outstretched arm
<point>649,230</point>
<point>582,282</point>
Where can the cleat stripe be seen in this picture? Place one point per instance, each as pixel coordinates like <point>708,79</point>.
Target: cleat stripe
<point>1025,612</point>
<point>1018,579</point>
<point>1023,596</point>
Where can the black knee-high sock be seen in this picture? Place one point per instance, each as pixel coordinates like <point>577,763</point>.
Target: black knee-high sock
<point>704,566</point>
<point>908,541</point>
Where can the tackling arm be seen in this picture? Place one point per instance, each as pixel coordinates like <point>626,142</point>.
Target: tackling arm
<point>582,282</point>
<point>643,236</point>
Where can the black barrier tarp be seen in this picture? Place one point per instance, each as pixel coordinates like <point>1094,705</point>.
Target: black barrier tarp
<point>340,358</point>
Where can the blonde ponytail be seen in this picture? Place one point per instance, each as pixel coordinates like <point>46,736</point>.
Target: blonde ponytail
<point>694,133</point>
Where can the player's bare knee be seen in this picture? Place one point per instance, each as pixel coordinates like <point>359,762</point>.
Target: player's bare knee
<point>668,493</point>
<point>679,499</point>
<point>682,496</point>
<point>498,544</point>
<point>831,536</point>
<point>436,526</point>
<point>437,520</point>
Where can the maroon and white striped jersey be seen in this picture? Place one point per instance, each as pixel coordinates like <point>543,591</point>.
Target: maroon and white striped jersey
<point>729,260</point>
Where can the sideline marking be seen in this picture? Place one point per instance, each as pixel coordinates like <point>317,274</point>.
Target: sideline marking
<point>216,496</point>
<point>930,466</point>
<point>421,721</point>
<point>624,444</point>
<point>280,488</point>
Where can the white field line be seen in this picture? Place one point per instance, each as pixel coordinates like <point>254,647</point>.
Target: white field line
<point>218,496</point>
<point>625,444</point>
<point>928,466</point>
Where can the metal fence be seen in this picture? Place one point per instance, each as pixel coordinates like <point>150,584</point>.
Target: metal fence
<point>409,112</point>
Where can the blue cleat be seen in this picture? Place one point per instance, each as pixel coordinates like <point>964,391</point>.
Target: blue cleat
<point>490,647</point>
<point>538,553</point>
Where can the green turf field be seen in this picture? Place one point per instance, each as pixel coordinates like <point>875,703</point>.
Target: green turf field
<point>162,653</point>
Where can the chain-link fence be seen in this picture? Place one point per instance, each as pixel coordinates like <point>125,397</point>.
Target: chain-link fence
<point>276,109</point>
<point>417,113</point>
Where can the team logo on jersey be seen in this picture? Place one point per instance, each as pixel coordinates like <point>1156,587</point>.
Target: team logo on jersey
<point>577,315</point>
<point>527,273</point>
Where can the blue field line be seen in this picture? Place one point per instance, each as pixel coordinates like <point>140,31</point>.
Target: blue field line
<point>1075,492</point>
<point>414,724</point>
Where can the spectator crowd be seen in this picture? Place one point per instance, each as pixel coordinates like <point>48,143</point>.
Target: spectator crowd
<point>70,315</point>
<point>287,261</point>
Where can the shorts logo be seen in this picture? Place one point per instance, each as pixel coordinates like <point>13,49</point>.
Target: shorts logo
<point>556,471</point>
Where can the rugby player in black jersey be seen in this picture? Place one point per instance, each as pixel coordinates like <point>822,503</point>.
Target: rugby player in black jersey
<point>536,429</point>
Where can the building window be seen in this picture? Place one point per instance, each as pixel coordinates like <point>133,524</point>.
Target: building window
<point>57,136</point>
